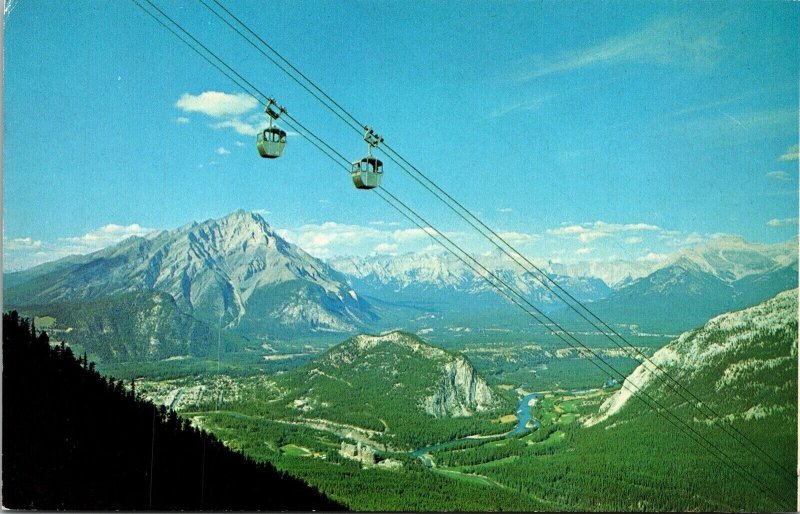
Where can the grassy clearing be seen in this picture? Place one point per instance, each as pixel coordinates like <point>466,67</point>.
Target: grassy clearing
<point>293,450</point>
<point>44,322</point>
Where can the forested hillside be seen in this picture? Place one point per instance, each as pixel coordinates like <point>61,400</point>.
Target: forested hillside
<point>74,440</point>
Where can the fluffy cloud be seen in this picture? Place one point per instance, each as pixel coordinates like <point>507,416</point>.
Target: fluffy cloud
<point>675,238</point>
<point>182,119</point>
<point>588,232</point>
<point>386,248</point>
<point>241,127</point>
<point>330,239</point>
<point>653,257</point>
<point>25,252</point>
<point>107,235</point>
<point>217,104</point>
<point>779,175</point>
<point>775,222</point>
<point>518,238</point>
<point>505,209</point>
<point>222,151</point>
<point>22,243</point>
<point>791,154</point>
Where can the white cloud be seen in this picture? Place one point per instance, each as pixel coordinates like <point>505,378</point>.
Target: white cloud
<point>505,209</point>
<point>665,41</point>
<point>217,104</point>
<point>518,238</point>
<point>412,234</point>
<point>25,252</point>
<point>262,212</point>
<point>583,251</point>
<point>775,222</point>
<point>791,154</point>
<point>107,235</point>
<point>588,232</point>
<point>386,248</point>
<point>633,240</point>
<point>530,104</point>
<point>222,151</point>
<point>21,243</point>
<point>675,238</point>
<point>653,257</point>
<point>330,239</point>
<point>779,175</point>
<point>239,144</point>
<point>182,119</point>
<point>241,127</point>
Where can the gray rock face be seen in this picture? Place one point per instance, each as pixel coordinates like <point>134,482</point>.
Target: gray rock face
<point>461,392</point>
<point>733,355</point>
<point>235,268</point>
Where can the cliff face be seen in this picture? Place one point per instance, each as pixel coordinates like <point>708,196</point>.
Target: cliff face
<point>460,392</point>
<point>391,384</point>
<point>743,364</point>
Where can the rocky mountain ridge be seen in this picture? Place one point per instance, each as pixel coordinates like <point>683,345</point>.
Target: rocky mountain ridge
<point>235,269</point>
<point>746,350</point>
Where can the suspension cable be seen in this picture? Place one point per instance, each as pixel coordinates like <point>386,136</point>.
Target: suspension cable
<point>543,278</point>
<point>396,199</point>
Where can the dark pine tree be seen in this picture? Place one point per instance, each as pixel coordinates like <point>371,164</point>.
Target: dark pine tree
<point>73,441</point>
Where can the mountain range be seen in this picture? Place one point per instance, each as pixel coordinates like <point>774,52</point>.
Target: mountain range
<point>236,277</point>
<point>694,285</point>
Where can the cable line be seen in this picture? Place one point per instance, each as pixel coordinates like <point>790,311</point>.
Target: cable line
<point>465,214</point>
<point>286,61</point>
<point>273,61</point>
<point>558,331</point>
<point>515,292</point>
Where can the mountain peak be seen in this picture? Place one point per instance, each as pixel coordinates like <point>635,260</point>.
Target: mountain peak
<point>364,342</point>
<point>234,267</point>
<point>241,217</point>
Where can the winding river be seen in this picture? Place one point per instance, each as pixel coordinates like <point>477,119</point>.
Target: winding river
<point>523,413</point>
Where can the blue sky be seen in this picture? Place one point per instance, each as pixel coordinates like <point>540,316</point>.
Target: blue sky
<point>582,130</point>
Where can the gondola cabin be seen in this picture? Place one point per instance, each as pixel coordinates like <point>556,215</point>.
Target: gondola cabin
<point>271,142</point>
<point>367,173</point>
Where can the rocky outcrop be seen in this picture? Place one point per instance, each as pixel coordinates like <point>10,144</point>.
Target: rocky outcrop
<point>734,353</point>
<point>460,392</point>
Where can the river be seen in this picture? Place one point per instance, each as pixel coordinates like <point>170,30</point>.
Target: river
<point>523,413</point>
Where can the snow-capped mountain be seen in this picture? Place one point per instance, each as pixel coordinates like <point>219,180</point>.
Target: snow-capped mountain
<point>731,258</point>
<point>235,269</point>
<point>442,276</point>
<point>615,273</point>
<point>696,284</point>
